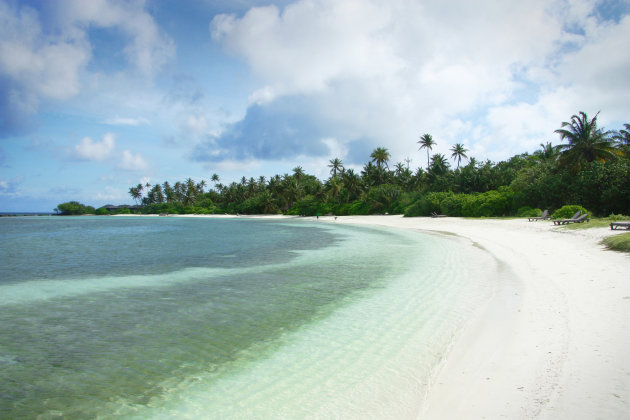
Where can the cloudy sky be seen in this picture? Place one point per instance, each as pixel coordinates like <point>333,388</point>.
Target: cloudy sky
<point>99,95</point>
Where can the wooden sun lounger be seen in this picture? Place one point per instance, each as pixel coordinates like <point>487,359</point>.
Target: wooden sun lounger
<point>544,216</point>
<point>619,225</point>
<point>583,218</point>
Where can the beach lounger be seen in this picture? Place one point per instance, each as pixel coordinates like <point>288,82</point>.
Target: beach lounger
<point>434,214</point>
<point>619,225</point>
<point>583,218</point>
<point>544,216</point>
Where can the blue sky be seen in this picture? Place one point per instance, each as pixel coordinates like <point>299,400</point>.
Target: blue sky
<point>97,96</point>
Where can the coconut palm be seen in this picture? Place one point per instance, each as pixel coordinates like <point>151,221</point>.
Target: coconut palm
<point>380,156</point>
<point>352,182</point>
<point>623,137</point>
<point>336,165</point>
<point>169,192</point>
<point>459,152</point>
<point>439,164</point>
<point>586,142</point>
<point>136,192</point>
<point>546,153</point>
<point>426,142</point>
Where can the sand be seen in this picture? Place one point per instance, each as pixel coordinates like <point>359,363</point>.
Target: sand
<point>553,343</point>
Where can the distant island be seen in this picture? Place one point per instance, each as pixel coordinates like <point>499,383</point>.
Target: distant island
<point>590,168</point>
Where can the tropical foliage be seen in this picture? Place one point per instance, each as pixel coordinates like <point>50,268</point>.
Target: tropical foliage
<point>591,167</point>
<point>73,208</point>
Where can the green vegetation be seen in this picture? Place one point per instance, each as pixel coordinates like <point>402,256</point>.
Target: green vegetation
<point>74,208</point>
<point>567,212</point>
<point>590,169</point>
<point>598,222</point>
<point>620,242</point>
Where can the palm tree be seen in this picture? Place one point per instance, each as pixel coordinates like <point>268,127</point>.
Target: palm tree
<point>586,142</point>
<point>298,173</point>
<point>168,192</point>
<point>459,152</point>
<point>190,192</point>
<point>352,182</point>
<point>439,164</point>
<point>336,165</point>
<point>426,142</point>
<point>136,193</point>
<point>380,155</point>
<point>334,186</point>
<point>623,137</point>
<point>546,153</point>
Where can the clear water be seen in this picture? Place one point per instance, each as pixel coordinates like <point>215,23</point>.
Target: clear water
<point>115,317</point>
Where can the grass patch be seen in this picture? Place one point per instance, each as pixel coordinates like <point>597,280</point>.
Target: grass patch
<point>619,242</point>
<point>597,222</point>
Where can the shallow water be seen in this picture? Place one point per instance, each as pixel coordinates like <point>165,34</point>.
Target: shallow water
<point>226,318</point>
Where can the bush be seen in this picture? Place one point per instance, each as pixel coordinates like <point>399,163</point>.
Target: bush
<point>308,206</point>
<point>419,208</point>
<point>619,242</point>
<point>383,199</point>
<point>566,212</point>
<point>102,211</point>
<point>74,208</point>
<point>452,204</point>
<point>528,212</point>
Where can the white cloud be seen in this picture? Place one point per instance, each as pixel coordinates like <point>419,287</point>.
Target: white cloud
<point>110,193</point>
<point>132,162</point>
<point>148,48</point>
<point>9,187</point>
<point>127,121</point>
<point>38,64</point>
<point>89,149</point>
<point>509,72</point>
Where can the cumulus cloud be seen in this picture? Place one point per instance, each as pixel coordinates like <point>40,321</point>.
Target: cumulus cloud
<point>33,66</point>
<point>148,48</point>
<point>88,149</point>
<point>132,162</point>
<point>279,130</point>
<point>499,77</point>
<point>45,62</point>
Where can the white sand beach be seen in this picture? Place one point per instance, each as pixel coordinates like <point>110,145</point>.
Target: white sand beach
<point>553,343</point>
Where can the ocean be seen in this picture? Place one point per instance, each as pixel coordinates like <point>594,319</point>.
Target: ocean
<point>165,317</point>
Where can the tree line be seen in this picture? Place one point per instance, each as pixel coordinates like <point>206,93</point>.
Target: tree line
<point>591,168</point>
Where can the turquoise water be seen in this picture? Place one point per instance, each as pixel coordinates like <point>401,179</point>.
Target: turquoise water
<point>226,318</point>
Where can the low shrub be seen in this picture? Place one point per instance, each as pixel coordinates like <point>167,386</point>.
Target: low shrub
<point>419,208</point>
<point>527,211</point>
<point>566,212</point>
<point>619,242</point>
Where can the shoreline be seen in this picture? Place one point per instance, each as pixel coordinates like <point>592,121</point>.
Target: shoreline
<point>553,341</point>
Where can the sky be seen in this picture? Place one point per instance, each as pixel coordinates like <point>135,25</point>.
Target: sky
<point>97,96</point>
